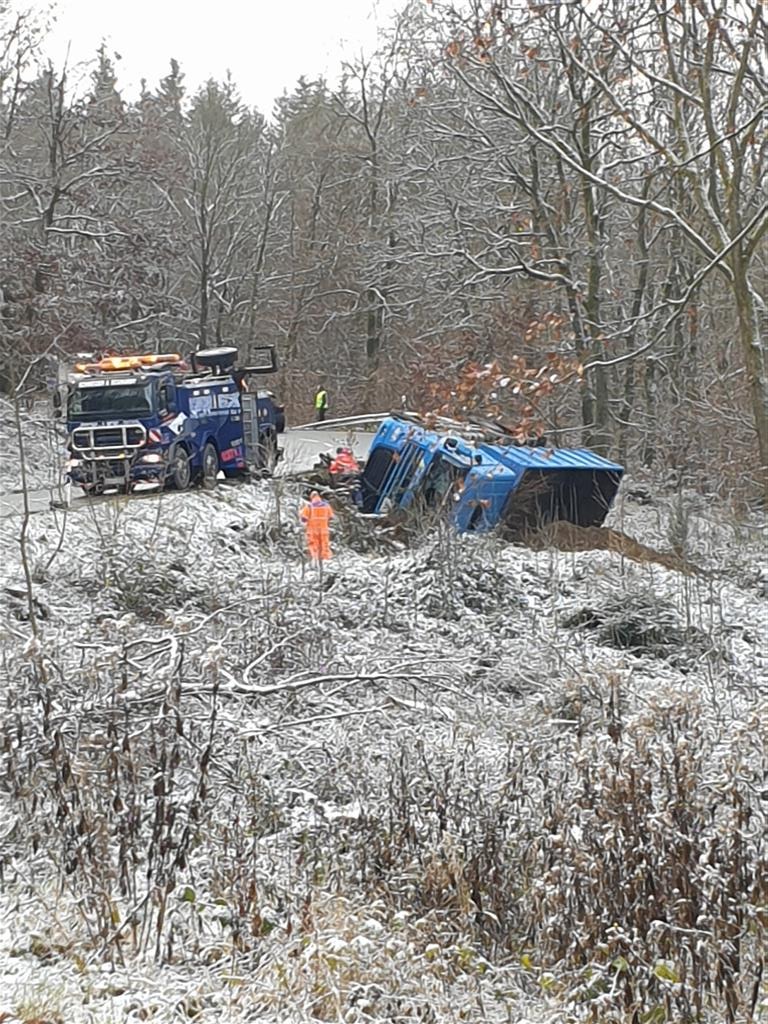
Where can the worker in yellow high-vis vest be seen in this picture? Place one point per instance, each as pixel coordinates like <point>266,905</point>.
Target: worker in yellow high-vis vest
<point>321,404</point>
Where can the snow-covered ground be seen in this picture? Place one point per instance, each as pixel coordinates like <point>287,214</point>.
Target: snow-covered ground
<point>238,789</point>
<point>42,445</point>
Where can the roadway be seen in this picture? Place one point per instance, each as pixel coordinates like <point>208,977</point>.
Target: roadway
<point>301,450</point>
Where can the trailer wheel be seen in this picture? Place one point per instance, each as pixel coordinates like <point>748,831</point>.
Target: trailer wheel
<point>210,471</point>
<point>180,473</point>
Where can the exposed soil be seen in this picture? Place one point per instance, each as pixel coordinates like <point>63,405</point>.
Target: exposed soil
<point>567,537</point>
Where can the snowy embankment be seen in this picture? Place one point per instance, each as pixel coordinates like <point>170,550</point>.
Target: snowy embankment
<point>456,780</point>
<point>43,448</point>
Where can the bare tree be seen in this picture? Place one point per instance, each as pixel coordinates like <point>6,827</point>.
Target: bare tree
<point>215,199</point>
<point>675,95</point>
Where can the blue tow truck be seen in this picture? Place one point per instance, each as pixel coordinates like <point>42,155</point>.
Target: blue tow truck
<point>157,419</point>
<point>481,478</point>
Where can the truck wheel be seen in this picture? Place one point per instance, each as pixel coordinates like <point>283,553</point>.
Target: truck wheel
<point>210,471</point>
<point>180,474</point>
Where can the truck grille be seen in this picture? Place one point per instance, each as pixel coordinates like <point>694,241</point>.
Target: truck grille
<point>113,442</point>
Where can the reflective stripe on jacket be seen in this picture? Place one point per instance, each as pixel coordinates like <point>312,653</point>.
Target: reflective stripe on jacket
<point>316,515</point>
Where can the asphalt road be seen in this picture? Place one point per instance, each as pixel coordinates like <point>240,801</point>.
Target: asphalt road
<point>301,450</point>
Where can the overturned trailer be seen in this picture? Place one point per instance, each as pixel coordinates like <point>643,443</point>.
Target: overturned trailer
<point>482,478</point>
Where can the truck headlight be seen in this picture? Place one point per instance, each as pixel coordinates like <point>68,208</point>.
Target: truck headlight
<point>151,457</point>
<point>72,463</point>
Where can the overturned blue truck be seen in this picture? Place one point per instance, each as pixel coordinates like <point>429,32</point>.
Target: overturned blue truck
<point>481,478</point>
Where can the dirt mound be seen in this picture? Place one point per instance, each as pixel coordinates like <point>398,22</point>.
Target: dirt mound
<point>567,537</point>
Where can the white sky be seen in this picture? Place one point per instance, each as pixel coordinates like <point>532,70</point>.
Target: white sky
<point>266,44</point>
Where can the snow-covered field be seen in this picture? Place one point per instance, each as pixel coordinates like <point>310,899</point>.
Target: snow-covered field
<point>441,781</point>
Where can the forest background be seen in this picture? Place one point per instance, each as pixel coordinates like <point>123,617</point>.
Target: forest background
<point>551,213</point>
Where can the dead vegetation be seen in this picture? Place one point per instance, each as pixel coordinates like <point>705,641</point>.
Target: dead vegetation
<point>643,625</point>
<point>615,868</point>
<point>444,781</point>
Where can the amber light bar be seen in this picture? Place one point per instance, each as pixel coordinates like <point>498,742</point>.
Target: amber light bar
<point>115,364</point>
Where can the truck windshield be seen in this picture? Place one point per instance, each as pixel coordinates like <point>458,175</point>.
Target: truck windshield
<point>112,400</point>
<point>442,479</point>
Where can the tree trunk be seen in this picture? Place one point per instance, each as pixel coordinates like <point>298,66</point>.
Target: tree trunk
<point>596,432</point>
<point>754,355</point>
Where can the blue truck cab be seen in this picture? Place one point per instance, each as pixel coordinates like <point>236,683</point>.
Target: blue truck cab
<point>482,483</point>
<point>154,419</point>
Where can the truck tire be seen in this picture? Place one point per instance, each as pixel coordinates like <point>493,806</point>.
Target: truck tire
<point>180,474</point>
<point>210,468</point>
<point>92,489</point>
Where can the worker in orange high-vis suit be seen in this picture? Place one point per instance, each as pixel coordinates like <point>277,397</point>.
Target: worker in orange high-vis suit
<point>316,515</point>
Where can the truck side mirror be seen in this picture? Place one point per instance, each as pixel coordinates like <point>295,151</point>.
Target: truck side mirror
<point>57,403</point>
<point>167,398</point>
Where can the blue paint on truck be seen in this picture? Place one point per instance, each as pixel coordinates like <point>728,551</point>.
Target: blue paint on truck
<point>153,419</point>
<point>482,484</point>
